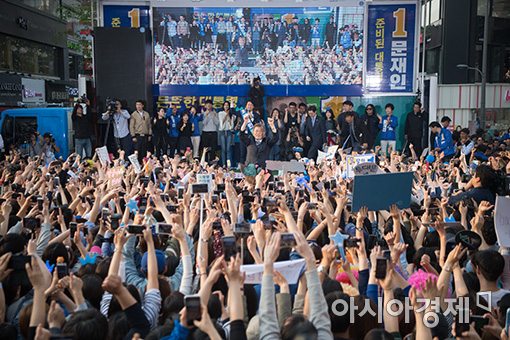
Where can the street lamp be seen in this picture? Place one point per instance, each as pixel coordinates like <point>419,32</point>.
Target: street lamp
<point>481,115</point>
<point>462,66</point>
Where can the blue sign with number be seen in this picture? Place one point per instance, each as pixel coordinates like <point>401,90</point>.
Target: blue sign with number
<point>390,57</point>
<point>126,16</point>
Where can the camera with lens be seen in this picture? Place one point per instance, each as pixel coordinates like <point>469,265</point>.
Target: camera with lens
<point>110,105</point>
<point>50,137</point>
<point>82,99</point>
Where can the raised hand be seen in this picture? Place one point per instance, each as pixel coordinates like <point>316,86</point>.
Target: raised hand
<point>394,211</point>
<point>281,281</point>
<point>233,270</point>
<point>4,263</point>
<point>272,249</point>
<point>484,207</point>
<point>39,277</point>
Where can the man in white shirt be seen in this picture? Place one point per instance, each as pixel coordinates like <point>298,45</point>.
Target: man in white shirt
<point>119,121</point>
<point>466,144</point>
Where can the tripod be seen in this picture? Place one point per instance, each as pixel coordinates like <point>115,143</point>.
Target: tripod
<point>107,132</point>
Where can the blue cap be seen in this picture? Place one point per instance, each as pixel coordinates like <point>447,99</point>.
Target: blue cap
<point>350,229</point>
<point>430,159</point>
<point>160,258</point>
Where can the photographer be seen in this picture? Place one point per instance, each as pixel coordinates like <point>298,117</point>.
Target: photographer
<point>256,95</point>
<point>49,148</point>
<point>481,187</point>
<point>293,141</point>
<point>34,146</point>
<point>83,130</point>
<point>119,118</point>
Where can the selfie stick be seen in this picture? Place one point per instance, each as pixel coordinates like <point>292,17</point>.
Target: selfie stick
<point>242,250</point>
<point>201,210</point>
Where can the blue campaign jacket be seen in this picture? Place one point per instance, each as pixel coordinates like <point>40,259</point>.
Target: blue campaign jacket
<point>388,131</point>
<point>444,141</point>
<point>173,122</point>
<point>195,120</point>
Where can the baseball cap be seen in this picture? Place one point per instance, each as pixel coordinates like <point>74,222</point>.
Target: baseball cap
<point>160,259</point>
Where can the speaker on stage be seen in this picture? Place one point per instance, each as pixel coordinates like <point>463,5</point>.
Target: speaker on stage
<point>123,65</point>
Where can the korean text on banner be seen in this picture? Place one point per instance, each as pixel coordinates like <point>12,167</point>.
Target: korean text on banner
<point>136,164</point>
<point>391,39</point>
<point>102,155</point>
<point>352,161</point>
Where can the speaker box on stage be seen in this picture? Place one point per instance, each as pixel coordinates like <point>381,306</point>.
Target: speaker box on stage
<point>123,65</point>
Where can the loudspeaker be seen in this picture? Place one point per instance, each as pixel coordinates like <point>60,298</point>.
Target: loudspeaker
<point>458,40</point>
<point>123,66</point>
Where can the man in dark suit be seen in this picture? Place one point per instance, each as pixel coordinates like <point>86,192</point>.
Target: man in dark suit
<point>415,130</point>
<point>355,133</point>
<point>342,124</point>
<point>258,146</point>
<point>315,132</point>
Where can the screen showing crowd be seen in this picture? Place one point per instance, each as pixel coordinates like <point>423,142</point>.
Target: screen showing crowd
<point>283,46</point>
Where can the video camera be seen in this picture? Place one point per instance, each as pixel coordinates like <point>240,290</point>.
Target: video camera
<point>50,137</point>
<point>83,99</point>
<point>110,105</point>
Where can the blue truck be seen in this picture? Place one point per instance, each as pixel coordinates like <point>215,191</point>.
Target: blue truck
<point>18,124</point>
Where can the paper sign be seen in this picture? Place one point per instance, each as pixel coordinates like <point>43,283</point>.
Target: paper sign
<point>290,166</point>
<point>352,161</point>
<point>289,269</point>
<point>136,164</point>
<point>102,155</point>
<point>332,149</point>
<point>321,156</point>
<point>72,174</point>
<point>502,220</point>
<point>328,155</point>
<point>204,179</point>
<point>367,169</point>
<point>378,192</point>
<point>115,176</point>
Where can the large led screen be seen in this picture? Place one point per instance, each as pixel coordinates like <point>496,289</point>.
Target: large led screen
<point>282,46</point>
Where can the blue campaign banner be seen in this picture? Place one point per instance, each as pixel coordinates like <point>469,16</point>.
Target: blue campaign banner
<point>390,59</point>
<point>126,16</point>
<point>269,90</point>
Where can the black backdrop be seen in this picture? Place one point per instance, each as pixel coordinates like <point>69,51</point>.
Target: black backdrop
<point>123,70</point>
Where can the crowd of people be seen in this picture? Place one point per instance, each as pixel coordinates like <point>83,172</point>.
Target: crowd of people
<point>300,132</point>
<point>231,50</point>
<point>95,249</point>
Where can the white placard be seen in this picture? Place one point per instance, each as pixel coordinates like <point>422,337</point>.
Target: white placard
<point>136,164</point>
<point>329,155</point>
<point>285,166</point>
<point>367,168</point>
<point>352,161</point>
<point>102,155</point>
<point>289,269</point>
<point>502,220</point>
<point>204,179</point>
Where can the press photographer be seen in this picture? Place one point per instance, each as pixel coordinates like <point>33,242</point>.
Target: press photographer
<point>119,118</point>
